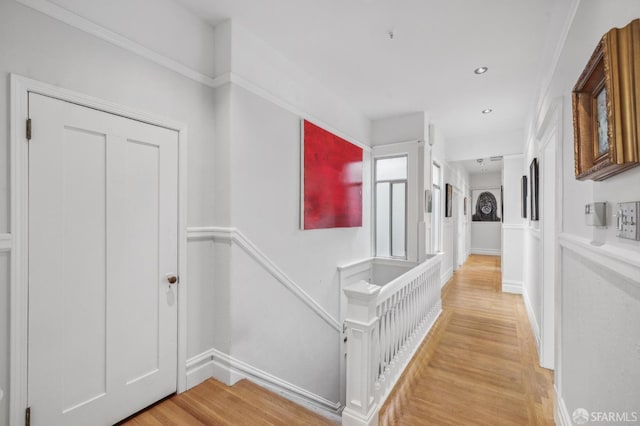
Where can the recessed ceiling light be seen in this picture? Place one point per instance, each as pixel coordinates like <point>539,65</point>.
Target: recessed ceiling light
<point>481,70</point>
<point>487,111</point>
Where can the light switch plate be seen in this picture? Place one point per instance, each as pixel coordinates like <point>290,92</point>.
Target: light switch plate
<point>628,215</point>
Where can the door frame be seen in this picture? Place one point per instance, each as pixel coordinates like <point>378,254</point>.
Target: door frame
<point>550,135</point>
<point>19,214</point>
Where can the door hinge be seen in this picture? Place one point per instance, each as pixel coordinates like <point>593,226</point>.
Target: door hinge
<point>27,417</point>
<point>28,129</point>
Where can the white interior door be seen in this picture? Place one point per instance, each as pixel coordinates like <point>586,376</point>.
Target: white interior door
<point>455,230</point>
<point>103,194</point>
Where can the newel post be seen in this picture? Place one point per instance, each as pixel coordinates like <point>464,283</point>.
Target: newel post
<point>362,334</point>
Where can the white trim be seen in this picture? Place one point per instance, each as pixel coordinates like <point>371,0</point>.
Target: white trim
<point>276,100</point>
<point>486,251</point>
<point>617,260</point>
<point>532,317</point>
<point>70,18</point>
<point>444,278</point>
<point>63,15</point>
<point>513,157</point>
<point>534,232</point>
<point>560,412</point>
<point>6,241</point>
<point>513,226</point>
<point>410,142</point>
<point>548,78</point>
<point>550,135</point>
<point>480,188</point>
<point>213,360</point>
<point>20,88</point>
<point>237,237</point>
<point>514,287</point>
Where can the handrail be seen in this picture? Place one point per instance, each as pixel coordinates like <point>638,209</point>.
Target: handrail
<point>385,326</point>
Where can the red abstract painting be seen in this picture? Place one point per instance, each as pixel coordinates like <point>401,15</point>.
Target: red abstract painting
<point>332,186</point>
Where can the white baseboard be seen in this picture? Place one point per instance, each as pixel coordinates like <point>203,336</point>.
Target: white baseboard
<point>532,318</point>
<point>226,369</point>
<point>444,278</point>
<point>512,287</point>
<point>560,413</point>
<point>487,252</point>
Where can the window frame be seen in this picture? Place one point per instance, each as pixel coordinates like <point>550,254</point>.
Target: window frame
<point>391,183</point>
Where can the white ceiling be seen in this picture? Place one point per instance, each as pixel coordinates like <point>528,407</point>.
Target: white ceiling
<point>427,66</point>
<point>486,166</point>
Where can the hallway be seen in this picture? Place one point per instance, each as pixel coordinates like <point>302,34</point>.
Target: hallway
<point>479,364</point>
<point>477,367</point>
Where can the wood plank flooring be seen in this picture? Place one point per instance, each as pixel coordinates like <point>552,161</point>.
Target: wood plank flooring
<point>479,365</point>
<point>212,403</point>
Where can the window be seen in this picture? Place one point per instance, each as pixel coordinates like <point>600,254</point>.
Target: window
<point>391,207</point>
<point>437,208</point>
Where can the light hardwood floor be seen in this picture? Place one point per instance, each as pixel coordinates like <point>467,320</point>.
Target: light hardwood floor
<point>213,403</point>
<point>477,367</point>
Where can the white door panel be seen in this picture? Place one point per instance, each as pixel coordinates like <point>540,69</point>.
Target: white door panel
<point>102,238</point>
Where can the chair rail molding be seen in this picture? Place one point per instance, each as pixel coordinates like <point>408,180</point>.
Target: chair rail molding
<point>621,261</point>
<point>234,236</point>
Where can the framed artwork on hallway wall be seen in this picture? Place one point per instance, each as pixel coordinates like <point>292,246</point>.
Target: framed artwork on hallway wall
<point>605,103</point>
<point>487,204</point>
<point>331,177</point>
<point>533,177</point>
<point>448,204</point>
<point>523,201</point>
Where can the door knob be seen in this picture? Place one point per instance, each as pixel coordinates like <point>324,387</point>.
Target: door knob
<point>172,279</point>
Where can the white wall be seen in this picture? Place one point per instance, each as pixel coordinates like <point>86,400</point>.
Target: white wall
<point>483,146</point>
<point>59,54</point>
<point>597,301</point>
<point>453,174</point>
<point>243,171</point>
<point>513,225</point>
<point>486,237</point>
<point>270,328</point>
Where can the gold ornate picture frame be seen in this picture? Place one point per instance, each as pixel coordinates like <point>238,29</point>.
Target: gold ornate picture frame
<point>606,107</point>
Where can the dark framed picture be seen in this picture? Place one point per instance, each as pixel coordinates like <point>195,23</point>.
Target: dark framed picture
<point>605,121</point>
<point>487,202</point>
<point>523,201</point>
<point>448,204</point>
<point>533,176</point>
<point>465,206</point>
<point>502,202</point>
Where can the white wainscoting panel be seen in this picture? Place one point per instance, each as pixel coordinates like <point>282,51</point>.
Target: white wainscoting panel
<point>619,260</point>
<point>512,258</point>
